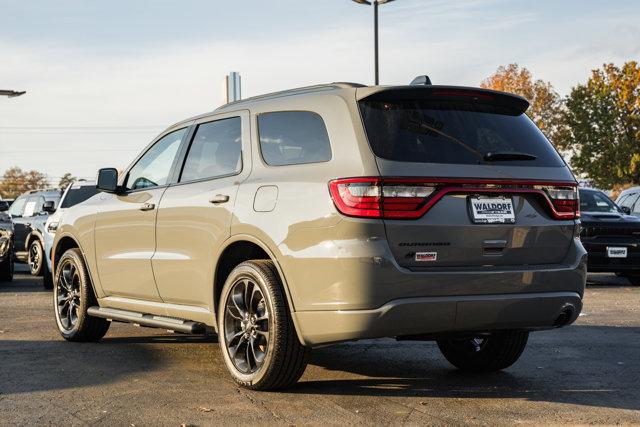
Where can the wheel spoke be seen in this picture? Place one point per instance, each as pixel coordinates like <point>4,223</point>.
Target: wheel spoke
<point>234,349</point>
<point>248,285</point>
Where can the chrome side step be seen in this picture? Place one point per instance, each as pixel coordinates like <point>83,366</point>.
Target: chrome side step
<point>149,320</point>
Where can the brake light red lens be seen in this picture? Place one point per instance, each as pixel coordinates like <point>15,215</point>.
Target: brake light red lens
<point>409,198</point>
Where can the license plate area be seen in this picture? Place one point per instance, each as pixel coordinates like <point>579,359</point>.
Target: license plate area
<point>616,252</point>
<point>491,210</point>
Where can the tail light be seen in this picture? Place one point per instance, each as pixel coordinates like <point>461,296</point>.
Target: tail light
<point>375,198</point>
<point>402,198</point>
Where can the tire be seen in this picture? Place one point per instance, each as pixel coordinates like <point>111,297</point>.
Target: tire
<point>634,280</point>
<point>485,354</point>
<point>35,258</point>
<point>47,278</point>
<point>72,296</point>
<point>7,268</point>
<point>256,361</point>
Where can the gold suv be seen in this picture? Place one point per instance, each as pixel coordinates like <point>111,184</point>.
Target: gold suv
<point>332,213</point>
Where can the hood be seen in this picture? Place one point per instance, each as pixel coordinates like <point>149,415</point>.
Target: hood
<point>608,218</point>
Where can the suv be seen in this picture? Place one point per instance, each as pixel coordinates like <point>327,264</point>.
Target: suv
<point>627,200</point>
<point>29,213</point>
<point>74,194</point>
<point>332,213</point>
<point>6,244</point>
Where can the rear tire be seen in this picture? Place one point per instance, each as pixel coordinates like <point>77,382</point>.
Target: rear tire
<point>35,258</point>
<point>7,268</point>
<point>47,278</point>
<point>72,296</point>
<point>485,354</point>
<point>634,280</point>
<point>257,338</point>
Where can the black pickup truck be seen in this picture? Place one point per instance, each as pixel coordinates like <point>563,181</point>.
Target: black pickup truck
<point>611,237</point>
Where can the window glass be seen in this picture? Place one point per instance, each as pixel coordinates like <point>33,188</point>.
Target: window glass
<point>636,207</point>
<point>621,200</point>
<point>152,170</point>
<point>78,194</point>
<point>215,150</point>
<point>293,137</point>
<point>33,206</point>
<point>17,206</point>
<point>629,200</point>
<point>596,201</point>
<point>442,131</point>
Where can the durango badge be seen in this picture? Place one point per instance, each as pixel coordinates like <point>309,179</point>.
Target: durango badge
<point>426,256</point>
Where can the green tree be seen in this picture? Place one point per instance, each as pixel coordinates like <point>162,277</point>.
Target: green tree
<point>602,120</point>
<point>15,181</point>
<point>546,105</point>
<point>65,180</point>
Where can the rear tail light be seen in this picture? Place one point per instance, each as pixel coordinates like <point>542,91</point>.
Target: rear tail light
<point>375,198</point>
<point>401,198</point>
<point>565,200</point>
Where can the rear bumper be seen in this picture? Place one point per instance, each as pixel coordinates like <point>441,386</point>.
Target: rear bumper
<point>442,315</point>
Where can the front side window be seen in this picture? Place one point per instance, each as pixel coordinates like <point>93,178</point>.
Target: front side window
<point>596,201</point>
<point>215,151</point>
<point>17,207</point>
<point>293,137</point>
<point>152,170</point>
<point>33,206</point>
<point>78,194</point>
<point>629,200</point>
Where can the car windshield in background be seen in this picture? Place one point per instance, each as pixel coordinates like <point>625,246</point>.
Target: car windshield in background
<point>596,201</point>
<point>78,195</point>
<point>454,131</point>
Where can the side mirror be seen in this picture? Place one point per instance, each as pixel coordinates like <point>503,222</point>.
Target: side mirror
<point>4,206</point>
<point>625,210</point>
<point>108,180</point>
<point>49,206</point>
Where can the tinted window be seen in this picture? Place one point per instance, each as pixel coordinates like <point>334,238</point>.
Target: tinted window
<point>596,201</point>
<point>153,168</point>
<point>33,206</point>
<point>293,137</point>
<point>452,131</point>
<point>17,206</point>
<point>215,150</point>
<point>78,195</point>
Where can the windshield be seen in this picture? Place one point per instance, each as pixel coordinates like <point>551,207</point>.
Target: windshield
<point>78,195</point>
<point>596,201</point>
<point>454,131</point>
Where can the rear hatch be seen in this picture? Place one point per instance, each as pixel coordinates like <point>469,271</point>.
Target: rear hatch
<point>466,180</point>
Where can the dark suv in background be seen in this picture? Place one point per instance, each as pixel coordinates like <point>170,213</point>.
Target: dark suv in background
<point>29,213</point>
<point>6,243</point>
<point>610,236</point>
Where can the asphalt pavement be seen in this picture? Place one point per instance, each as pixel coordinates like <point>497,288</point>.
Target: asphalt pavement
<point>586,373</point>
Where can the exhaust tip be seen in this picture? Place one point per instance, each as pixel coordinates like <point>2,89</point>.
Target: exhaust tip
<point>565,317</point>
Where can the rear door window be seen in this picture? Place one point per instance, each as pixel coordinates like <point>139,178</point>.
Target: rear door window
<point>452,130</point>
<point>293,138</point>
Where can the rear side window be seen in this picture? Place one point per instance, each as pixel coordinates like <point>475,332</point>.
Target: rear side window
<point>452,131</point>
<point>78,195</point>
<point>215,150</point>
<point>293,138</point>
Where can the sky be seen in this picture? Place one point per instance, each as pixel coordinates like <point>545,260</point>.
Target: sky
<point>104,77</point>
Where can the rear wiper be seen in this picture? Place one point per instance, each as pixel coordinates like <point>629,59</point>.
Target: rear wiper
<point>508,155</point>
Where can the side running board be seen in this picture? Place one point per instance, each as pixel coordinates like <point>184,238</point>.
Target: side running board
<point>149,320</point>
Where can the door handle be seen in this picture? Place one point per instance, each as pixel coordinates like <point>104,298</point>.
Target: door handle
<point>148,207</point>
<point>219,198</point>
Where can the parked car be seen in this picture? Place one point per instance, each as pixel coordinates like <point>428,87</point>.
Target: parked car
<point>627,200</point>
<point>6,244</point>
<point>29,213</point>
<point>74,194</point>
<point>332,213</point>
<point>610,236</point>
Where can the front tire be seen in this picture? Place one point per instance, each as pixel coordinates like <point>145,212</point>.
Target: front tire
<point>35,258</point>
<point>257,338</point>
<point>72,296</point>
<point>486,353</point>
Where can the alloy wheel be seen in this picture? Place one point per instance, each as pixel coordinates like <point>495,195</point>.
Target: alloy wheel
<point>34,257</point>
<point>246,326</point>
<point>68,294</point>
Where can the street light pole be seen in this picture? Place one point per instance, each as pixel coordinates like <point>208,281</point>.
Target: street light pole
<point>376,4</point>
<point>11,93</point>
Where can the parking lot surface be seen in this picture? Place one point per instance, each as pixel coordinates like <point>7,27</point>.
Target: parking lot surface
<point>587,373</point>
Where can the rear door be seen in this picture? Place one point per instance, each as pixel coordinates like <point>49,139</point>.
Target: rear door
<point>482,180</point>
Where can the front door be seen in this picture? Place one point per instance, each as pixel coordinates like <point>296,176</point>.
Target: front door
<point>125,225</point>
<point>195,214</point>
<point>21,225</point>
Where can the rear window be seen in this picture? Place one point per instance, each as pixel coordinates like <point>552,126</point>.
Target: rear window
<point>78,195</point>
<point>293,137</point>
<point>452,131</point>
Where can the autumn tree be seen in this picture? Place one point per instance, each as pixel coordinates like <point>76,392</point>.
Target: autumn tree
<point>15,181</point>
<point>546,104</point>
<point>603,125</point>
<point>65,180</point>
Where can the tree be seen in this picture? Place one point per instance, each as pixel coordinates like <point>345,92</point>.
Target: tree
<point>603,125</point>
<point>65,180</point>
<point>546,105</point>
<point>15,181</point>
